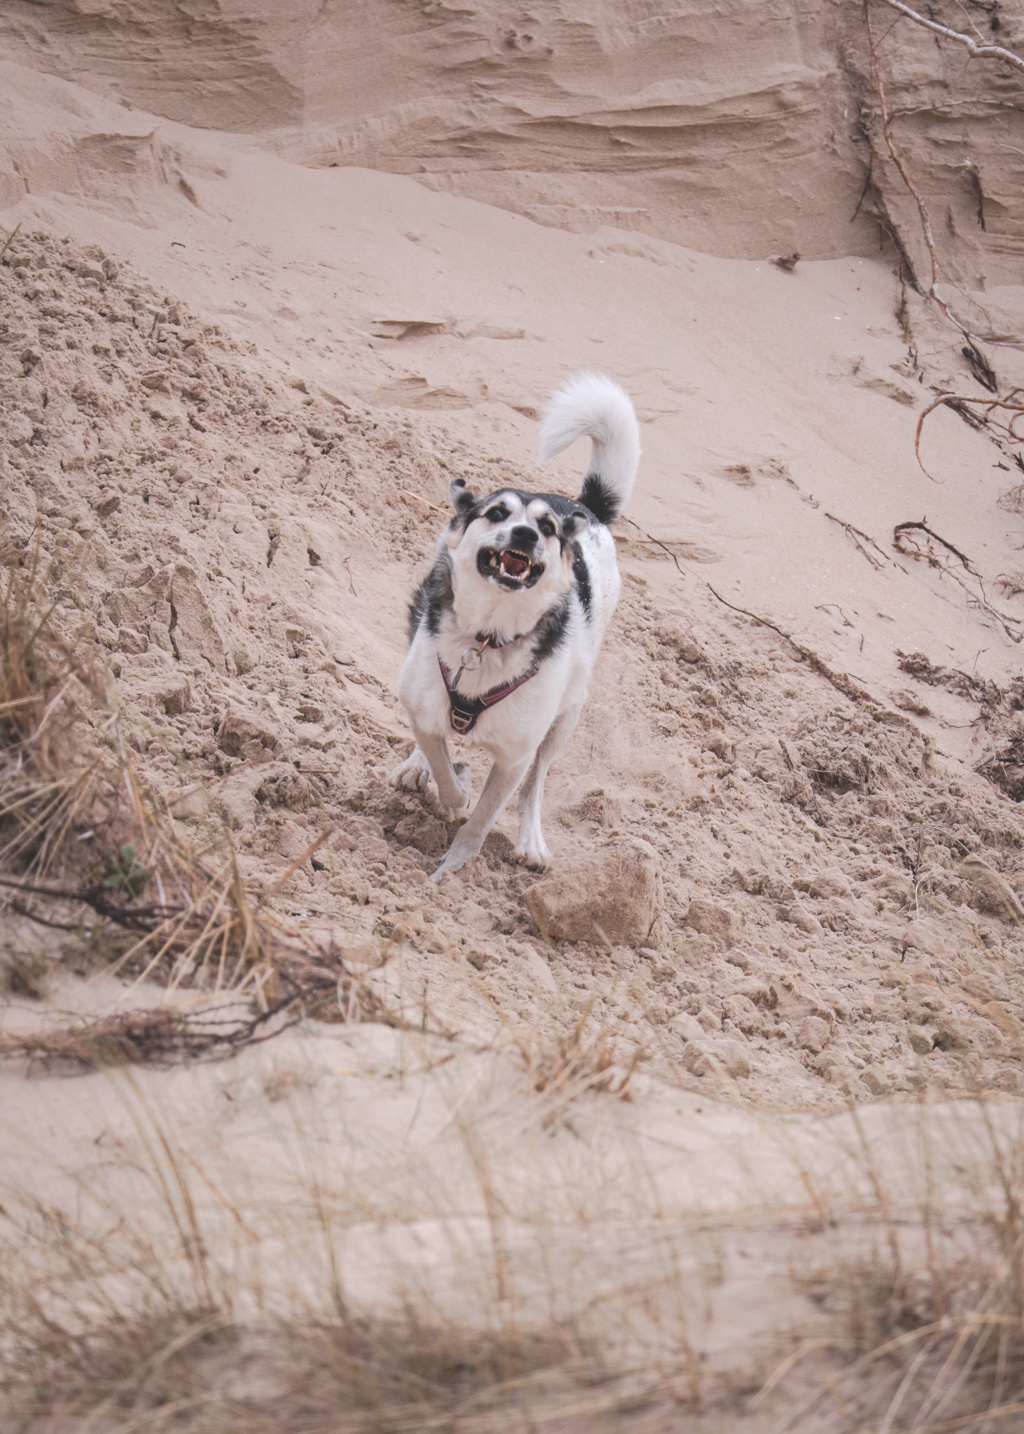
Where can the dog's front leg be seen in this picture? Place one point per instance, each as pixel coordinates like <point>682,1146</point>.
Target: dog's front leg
<point>452,781</point>
<point>500,785</point>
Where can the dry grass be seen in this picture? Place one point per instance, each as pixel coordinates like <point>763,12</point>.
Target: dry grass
<point>48,783</point>
<point>582,1061</point>
<point>193,1370</point>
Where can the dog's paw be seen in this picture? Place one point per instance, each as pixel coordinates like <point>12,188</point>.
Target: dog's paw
<point>462,850</point>
<point>533,854</point>
<point>450,805</point>
<point>413,774</point>
<point>450,863</point>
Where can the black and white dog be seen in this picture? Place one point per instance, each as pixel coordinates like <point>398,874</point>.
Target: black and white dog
<point>506,628</point>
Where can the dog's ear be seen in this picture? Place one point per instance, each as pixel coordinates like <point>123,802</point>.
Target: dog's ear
<point>461,498</point>
<point>573,525</point>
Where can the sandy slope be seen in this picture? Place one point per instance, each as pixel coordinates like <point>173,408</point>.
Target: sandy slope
<point>234,393</point>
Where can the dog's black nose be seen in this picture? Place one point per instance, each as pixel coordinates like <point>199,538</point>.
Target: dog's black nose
<point>524,537</point>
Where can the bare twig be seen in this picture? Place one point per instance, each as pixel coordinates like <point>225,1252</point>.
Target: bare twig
<point>924,528</point>
<point>857,535</point>
<point>656,541</point>
<point>839,680</point>
<point>408,493</point>
<point>9,241</point>
<point>897,159</point>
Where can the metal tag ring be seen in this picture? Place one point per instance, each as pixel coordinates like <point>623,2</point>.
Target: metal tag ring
<point>468,666</point>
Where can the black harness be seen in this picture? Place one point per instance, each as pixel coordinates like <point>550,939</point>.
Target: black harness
<point>465,710</point>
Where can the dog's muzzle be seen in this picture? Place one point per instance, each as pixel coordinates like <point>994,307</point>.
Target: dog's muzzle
<point>509,567</point>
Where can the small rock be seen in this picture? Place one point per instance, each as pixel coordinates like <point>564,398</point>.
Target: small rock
<point>132,642</point>
<point>922,1040</point>
<point>239,729</point>
<point>709,1020</point>
<point>687,1026</point>
<point>813,1034</point>
<point>734,1056</point>
<point>707,1057</point>
<point>709,919</point>
<point>610,897</point>
<point>800,917</point>
<point>875,1082</point>
<point>20,429</point>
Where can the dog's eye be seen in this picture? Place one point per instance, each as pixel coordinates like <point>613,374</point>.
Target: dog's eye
<point>497,515</point>
<point>547,527</point>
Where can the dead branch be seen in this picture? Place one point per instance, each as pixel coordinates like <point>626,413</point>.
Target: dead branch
<point>839,680</point>
<point>857,535</point>
<point>903,540</point>
<point>998,416</point>
<point>152,1037</point>
<point>924,528</point>
<point>656,541</point>
<point>976,51</point>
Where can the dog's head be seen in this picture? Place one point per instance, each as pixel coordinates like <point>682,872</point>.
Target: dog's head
<point>512,544</point>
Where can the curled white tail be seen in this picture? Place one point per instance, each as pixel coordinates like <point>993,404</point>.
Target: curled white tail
<point>592,406</point>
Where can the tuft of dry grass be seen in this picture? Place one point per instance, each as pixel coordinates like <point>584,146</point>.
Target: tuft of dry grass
<point>579,1062</point>
<point>197,1371</point>
<point>74,804</point>
<point>47,783</point>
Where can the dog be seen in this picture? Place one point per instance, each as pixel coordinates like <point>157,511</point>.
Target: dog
<point>505,629</point>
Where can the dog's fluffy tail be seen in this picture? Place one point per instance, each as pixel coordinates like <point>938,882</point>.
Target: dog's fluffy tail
<point>591,406</point>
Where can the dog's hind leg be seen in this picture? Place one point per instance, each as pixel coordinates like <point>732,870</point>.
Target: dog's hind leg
<point>531,847</point>
<point>500,785</point>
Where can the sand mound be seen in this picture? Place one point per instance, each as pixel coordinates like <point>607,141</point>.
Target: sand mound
<point>239,546</point>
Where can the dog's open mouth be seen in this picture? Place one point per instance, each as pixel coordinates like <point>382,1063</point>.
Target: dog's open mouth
<point>508,567</point>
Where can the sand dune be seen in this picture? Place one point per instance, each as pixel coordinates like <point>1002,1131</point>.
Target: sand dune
<point>277,278</point>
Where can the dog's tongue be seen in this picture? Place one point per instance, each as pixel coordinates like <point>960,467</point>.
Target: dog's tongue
<point>514,565</point>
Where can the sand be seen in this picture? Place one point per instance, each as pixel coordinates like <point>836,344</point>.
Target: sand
<point>240,364</point>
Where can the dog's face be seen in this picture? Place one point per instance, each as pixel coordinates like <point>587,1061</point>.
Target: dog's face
<point>512,543</point>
